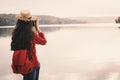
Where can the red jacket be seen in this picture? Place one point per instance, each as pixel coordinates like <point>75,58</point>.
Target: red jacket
<point>37,39</point>
<point>19,56</point>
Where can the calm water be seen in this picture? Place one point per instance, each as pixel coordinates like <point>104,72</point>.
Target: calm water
<point>90,53</point>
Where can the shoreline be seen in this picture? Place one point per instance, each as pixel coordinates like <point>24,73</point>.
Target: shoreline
<point>76,25</point>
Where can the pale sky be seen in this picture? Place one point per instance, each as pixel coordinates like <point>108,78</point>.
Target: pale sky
<point>63,8</point>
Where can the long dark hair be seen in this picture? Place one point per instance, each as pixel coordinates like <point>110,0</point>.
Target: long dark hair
<point>22,35</point>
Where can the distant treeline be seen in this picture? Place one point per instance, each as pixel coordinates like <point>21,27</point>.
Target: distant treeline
<point>117,20</point>
<point>9,20</point>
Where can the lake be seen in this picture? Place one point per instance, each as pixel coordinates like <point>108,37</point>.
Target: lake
<point>72,53</point>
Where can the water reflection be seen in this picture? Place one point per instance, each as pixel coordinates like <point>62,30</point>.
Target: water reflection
<point>72,54</point>
<point>4,32</point>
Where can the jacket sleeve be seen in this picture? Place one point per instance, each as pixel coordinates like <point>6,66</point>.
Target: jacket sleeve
<point>39,38</point>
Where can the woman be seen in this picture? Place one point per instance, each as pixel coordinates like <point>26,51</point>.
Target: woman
<point>25,35</point>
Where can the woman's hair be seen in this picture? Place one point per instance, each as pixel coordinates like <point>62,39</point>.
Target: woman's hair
<point>22,35</point>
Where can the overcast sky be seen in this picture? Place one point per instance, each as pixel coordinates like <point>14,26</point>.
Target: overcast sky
<point>63,8</point>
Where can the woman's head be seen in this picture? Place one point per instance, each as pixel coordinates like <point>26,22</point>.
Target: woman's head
<point>22,34</point>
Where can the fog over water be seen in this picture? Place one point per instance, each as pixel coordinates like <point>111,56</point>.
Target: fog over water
<point>81,53</point>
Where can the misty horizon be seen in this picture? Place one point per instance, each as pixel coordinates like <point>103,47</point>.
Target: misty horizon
<point>63,8</point>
